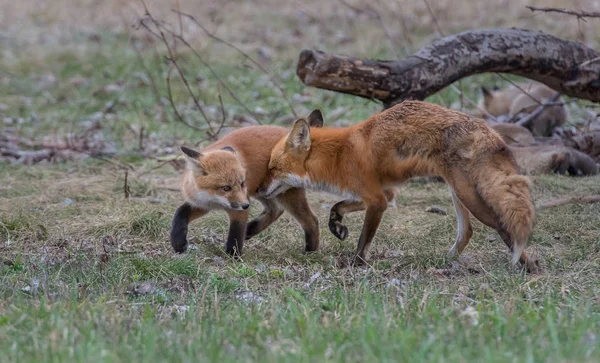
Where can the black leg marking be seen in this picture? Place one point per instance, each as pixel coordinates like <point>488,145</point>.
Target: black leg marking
<point>235,238</point>
<point>336,227</point>
<point>179,228</point>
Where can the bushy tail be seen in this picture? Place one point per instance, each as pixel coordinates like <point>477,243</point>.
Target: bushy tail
<point>507,193</point>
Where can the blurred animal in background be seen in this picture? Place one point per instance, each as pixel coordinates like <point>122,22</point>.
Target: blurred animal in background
<point>535,158</point>
<point>525,98</point>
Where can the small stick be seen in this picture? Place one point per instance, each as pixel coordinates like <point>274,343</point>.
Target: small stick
<point>527,119</point>
<point>125,186</point>
<point>580,14</point>
<point>595,198</point>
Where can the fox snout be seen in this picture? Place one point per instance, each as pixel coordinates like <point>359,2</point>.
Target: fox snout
<point>239,206</point>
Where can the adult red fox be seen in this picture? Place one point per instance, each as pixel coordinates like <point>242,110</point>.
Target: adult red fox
<point>526,97</point>
<point>223,175</point>
<point>367,160</point>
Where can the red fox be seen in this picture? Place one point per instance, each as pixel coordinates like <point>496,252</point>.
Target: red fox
<point>526,98</point>
<point>224,174</point>
<point>533,158</point>
<point>368,160</point>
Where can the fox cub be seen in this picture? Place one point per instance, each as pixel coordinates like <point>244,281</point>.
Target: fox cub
<point>223,177</point>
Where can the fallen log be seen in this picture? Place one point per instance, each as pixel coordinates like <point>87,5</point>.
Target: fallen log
<point>569,67</point>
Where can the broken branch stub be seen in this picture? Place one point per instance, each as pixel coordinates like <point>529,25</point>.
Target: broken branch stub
<point>568,67</point>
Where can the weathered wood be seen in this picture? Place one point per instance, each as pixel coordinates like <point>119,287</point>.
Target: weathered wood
<point>568,67</point>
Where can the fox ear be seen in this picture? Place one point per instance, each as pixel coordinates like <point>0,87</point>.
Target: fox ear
<point>486,92</point>
<point>193,158</point>
<point>315,119</point>
<point>230,149</point>
<point>299,137</point>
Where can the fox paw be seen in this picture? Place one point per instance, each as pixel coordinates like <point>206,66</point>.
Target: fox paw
<point>338,229</point>
<point>358,261</point>
<point>235,253</point>
<point>533,267</point>
<point>345,261</point>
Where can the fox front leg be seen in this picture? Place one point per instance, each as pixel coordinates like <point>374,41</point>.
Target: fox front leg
<point>373,217</point>
<point>179,227</point>
<point>336,215</point>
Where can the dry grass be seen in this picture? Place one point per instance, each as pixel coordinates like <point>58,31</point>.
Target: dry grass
<point>87,275</point>
<point>360,28</point>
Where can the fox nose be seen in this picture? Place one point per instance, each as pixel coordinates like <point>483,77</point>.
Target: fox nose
<point>245,206</point>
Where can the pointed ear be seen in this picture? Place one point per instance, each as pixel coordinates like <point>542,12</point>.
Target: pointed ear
<point>299,137</point>
<point>230,149</point>
<point>315,119</point>
<point>192,157</point>
<point>486,92</point>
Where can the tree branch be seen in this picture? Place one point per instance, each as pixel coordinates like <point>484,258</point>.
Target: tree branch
<point>580,14</point>
<point>568,67</point>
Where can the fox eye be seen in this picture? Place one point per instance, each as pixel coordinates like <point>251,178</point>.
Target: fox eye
<point>226,188</point>
<point>244,184</point>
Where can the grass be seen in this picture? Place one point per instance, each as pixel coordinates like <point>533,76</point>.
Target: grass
<point>86,275</point>
<point>107,287</point>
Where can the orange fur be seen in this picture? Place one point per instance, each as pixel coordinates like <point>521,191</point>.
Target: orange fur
<point>368,160</point>
<point>228,172</point>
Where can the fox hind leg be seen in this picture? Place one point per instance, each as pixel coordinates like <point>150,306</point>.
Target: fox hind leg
<point>373,215</point>
<point>295,203</point>
<point>271,212</point>
<point>471,199</point>
<point>464,230</point>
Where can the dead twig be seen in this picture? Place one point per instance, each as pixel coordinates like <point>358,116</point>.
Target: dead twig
<point>373,13</point>
<point>273,80</point>
<point>460,93</point>
<point>517,116</point>
<point>172,59</point>
<point>150,200</point>
<point>172,102</point>
<point>223,112</point>
<point>587,62</point>
<point>580,14</point>
<point>435,21</point>
<point>141,139</point>
<point>162,163</point>
<point>525,121</point>
<point>519,88</point>
<point>126,190</point>
<point>153,85</point>
<point>215,74</point>
<point>558,202</point>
